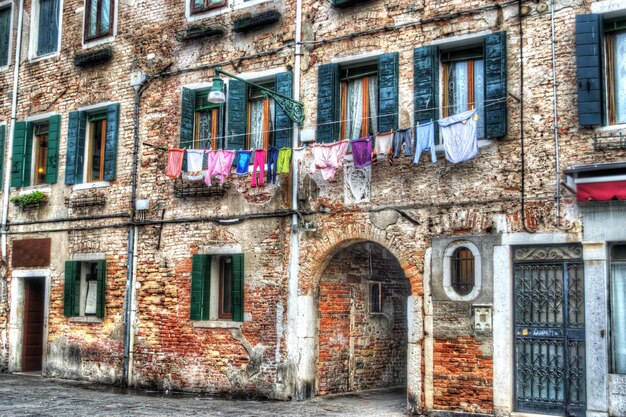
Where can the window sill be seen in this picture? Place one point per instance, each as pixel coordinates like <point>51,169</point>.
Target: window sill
<point>90,185</point>
<point>44,57</point>
<point>98,42</point>
<point>217,324</point>
<point>244,5</point>
<point>205,15</point>
<point>44,188</point>
<point>85,319</point>
<point>4,68</point>
<point>610,128</point>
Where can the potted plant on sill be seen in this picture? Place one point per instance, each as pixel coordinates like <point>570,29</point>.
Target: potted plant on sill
<point>33,200</point>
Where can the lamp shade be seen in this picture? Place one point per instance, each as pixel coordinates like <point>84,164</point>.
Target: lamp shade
<point>217,91</point>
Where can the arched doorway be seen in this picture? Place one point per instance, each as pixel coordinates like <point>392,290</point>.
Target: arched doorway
<point>362,321</point>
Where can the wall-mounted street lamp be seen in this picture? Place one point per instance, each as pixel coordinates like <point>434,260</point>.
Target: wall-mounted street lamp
<point>294,109</point>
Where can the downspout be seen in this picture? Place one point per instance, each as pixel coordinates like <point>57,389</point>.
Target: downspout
<point>521,119</point>
<point>294,252</point>
<point>557,168</point>
<point>132,237</point>
<point>9,160</point>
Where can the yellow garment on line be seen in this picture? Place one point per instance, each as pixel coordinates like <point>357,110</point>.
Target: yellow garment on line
<point>284,160</point>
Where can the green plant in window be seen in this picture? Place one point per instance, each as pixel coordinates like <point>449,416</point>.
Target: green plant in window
<point>35,200</point>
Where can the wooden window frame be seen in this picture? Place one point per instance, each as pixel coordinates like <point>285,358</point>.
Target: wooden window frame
<point>611,29</point>
<point>8,7</point>
<point>91,138</point>
<point>205,8</point>
<point>98,35</point>
<point>221,315</point>
<point>267,133</point>
<point>37,138</point>
<point>380,297</point>
<point>462,271</point>
<point>364,75</point>
<point>215,113</point>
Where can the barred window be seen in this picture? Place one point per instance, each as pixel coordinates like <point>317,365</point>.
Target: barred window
<point>462,271</point>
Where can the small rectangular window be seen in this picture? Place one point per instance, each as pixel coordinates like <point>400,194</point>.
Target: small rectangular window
<point>5,34</point>
<point>618,309</point>
<point>226,288</point>
<point>84,288</point>
<point>206,122</point>
<point>99,18</point>
<point>359,100</point>
<point>615,51</point>
<point>96,147</point>
<point>260,118</point>
<point>199,6</point>
<point>40,134</point>
<point>48,27</point>
<point>376,297</point>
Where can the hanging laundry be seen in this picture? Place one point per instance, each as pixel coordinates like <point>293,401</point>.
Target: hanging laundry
<point>425,139</point>
<point>284,160</point>
<point>403,137</point>
<point>362,152</point>
<point>298,155</point>
<point>384,142</point>
<point>175,162</point>
<point>460,136</point>
<point>194,164</point>
<point>260,156</point>
<point>374,159</point>
<point>243,162</point>
<point>219,163</point>
<point>272,164</point>
<point>328,157</point>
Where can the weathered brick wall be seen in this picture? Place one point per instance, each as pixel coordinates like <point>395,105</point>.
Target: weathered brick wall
<point>357,349</point>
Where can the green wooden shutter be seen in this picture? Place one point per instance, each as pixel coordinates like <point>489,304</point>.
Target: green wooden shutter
<point>495,85</point>
<point>2,153</point>
<point>71,306</point>
<point>74,155</point>
<point>200,269</point>
<point>110,144</point>
<point>237,114</point>
<point>48,31</point>
<point>5,34</point>
<point>188,103</point>
<point>388,77</point>
<point>28,155</point>
<point>206,289</point>
<point>328,103</point>
<point>237,272</point>
<point>101,273</point>
<point>19,149</point>
<point>54,133</point>
<point>282,123</point>
<point>589,73</point>
<point>426,85</point>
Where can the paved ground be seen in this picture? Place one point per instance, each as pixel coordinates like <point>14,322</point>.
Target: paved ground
<point>24,395</point>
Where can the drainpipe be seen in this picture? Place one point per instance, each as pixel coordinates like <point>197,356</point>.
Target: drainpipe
<point>9,160</point>
<point>557,195</point>
<point>132,245</point>
<point>294,252</point>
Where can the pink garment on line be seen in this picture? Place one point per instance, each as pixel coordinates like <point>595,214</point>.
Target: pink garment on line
<point>175,162</point>
<point>328,157</point>
<point>260,156</point>
<point>219,163</point>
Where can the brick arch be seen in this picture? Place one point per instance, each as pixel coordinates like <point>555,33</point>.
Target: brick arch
<point>320,252</point>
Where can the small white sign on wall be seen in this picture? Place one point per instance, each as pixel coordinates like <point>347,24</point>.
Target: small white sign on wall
<point>482,319</point>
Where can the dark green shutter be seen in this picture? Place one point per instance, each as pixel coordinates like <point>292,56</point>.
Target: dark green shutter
<point>74,155</point>
<point>426,85</point>
<point>19,149</point>
<point>186,121</point>
<point>48,33</point>
<point>200,270</point>
<point>5,34</point>
<point>495,85</point>
<point>328,103</point>
<point>237,114</point>
<point>237,271</point>
<point>2,153</point>
<point>282,123</point>
<point>388,92</point>
<point>589,69</point>
<point>110,144</point>
<point>71,295</point>
<point>101,273</point>
<point>52,165</point>
<point>28,155</point>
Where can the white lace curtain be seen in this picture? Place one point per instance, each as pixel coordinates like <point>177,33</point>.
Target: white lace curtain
<point>620,78</point>
<point>354,113</point>
<point>618,317</point>
<point>257,120</point>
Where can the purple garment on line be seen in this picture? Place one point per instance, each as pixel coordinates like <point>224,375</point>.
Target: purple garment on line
<point>362,152</point>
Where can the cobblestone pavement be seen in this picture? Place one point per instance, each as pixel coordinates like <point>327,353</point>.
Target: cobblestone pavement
<point>25,395</point>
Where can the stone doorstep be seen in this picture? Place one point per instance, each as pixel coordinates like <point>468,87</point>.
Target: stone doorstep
<point>517,414</point>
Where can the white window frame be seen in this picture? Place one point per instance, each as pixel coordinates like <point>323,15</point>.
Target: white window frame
<point>10,43</point>
<point>34,34</point>
<point>96,184</point>
<point>231,5</point>
<point>101,41</point>
<point>447,271</point>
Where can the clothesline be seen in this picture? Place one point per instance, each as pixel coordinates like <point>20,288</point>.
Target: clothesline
<point>491,103</point>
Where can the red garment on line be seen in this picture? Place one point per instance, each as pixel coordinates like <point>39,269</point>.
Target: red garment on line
<point>175,162</point>
<point>601,191</point>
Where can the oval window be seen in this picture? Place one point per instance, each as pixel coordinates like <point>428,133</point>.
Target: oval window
<point>462,271</point>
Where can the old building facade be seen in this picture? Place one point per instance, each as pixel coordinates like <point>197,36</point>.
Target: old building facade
<point>494,286</point>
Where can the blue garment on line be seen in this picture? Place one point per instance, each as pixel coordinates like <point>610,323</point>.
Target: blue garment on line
<point>425,139</point>
<point>272,164</point>
<point>400,137</point>
<point>243,162</point>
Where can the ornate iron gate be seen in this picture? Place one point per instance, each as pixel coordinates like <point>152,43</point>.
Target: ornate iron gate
<point>549,330</point>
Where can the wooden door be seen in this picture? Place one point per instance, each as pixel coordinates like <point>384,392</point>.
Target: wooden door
<point>32,353</point>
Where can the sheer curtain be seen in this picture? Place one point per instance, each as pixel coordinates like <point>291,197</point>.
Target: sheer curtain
<point>618,317</point>
<point>479,95</point>
<point>256,124</point>
<point>354,111</point>
<point>620,78</point>
<point>373,103</point>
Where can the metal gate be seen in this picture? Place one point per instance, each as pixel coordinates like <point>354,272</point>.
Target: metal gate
<point>549,330</point>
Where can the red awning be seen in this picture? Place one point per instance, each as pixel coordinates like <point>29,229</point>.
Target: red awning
<point>601,191</point>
